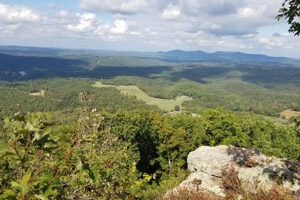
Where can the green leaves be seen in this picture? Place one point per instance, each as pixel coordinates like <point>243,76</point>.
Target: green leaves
<point>19,189</point>
<point>24,189</point>
<point>23,185</point>
<point>118,155</point>
<point>4,149</point>
<point>291,12</point>
<point>50,192</point>
<point>26,149</point>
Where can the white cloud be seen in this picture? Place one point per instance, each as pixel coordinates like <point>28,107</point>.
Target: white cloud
<point>86,22</point>
<point>271,41</point>
<point>51,5</point>
<point>247,12</point>
<point>9,29</point>
<point>171,12</point>
<point>219,17</point>
<point>210,7</point>
<point>120,27</point>
<point>135,33</point>
<point>116,6</point>
<point>155,25</point>
<point>63,13</point>
<point>17,14</point>
<point>89,25</point>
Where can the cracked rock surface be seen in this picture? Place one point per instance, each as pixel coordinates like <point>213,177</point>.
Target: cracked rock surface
<point>255,170</point>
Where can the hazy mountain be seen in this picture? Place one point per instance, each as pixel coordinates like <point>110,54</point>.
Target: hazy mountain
<point>173,56</point>
<point>223,56</point>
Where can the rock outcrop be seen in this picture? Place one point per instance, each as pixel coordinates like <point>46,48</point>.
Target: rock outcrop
<point>254,170</point>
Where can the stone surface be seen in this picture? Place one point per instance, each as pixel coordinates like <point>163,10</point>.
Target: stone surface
<point>254,170</point>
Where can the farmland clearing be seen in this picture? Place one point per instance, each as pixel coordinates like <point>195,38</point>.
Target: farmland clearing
<point>133,90</point>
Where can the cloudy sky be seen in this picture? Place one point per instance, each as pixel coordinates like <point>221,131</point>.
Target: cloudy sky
<point>148,25</point>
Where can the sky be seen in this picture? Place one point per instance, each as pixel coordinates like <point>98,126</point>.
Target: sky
<point>149,25</point>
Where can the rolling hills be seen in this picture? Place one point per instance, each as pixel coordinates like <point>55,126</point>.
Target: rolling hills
<point>233,80</point>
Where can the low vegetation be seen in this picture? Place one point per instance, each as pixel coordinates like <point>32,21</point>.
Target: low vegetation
<point>61,98</point>
<point>164,104</point>
<point>116,142</point>
<point>288,114</point>
<point>264,86</point>
<point>122,155</point>
<point>40,93</point>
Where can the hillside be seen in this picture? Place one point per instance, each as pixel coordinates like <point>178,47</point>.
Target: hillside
<point>131,154</point>
<point>223,56</point>
<point>150,100</point>
<point>237,81</point>
<point>86,125</point>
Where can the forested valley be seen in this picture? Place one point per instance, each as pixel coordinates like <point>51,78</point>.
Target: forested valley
<point>63,138</point>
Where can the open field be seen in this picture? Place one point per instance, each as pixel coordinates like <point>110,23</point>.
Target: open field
<point>163,80</point>
<point>288,114</point>
<point>132,90</point>
<point>40,93</point>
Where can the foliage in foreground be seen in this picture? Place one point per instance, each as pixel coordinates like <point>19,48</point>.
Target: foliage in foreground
<point>291,12</point>
<point>125,155</point>
<point>36,164</point>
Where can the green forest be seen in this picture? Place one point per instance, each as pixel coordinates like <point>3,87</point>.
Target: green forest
<point>125,155</point>
<point>113,113</point>
<point>63,138</point>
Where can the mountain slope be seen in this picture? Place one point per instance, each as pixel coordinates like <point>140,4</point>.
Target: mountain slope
<point>223,56</point>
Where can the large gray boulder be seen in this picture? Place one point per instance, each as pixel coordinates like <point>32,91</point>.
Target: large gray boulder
<point>254,170</point>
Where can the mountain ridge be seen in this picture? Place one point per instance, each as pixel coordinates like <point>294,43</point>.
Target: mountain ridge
<point>172,56</point>
<point>223,56</point>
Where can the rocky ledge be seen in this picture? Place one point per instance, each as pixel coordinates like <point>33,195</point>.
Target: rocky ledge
<point>254,171</point>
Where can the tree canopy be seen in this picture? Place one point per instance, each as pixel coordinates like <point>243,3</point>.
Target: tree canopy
<point>291,12</point>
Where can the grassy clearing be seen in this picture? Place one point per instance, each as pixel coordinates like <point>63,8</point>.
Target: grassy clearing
<point>164,104</point>
<point>288,114</point>
<point>40,93</point>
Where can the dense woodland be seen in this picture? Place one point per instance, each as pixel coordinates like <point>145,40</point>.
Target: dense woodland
<point>125,155</point>
<point>61,95</point>
<point>76,141</point>
<point>262,87</point>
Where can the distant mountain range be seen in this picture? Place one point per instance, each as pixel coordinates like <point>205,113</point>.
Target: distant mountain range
<point>176,56</point>
<point>224,56</point>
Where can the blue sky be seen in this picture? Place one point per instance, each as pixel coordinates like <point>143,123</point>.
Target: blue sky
<point>148,25</point>
<point>44,4</point>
